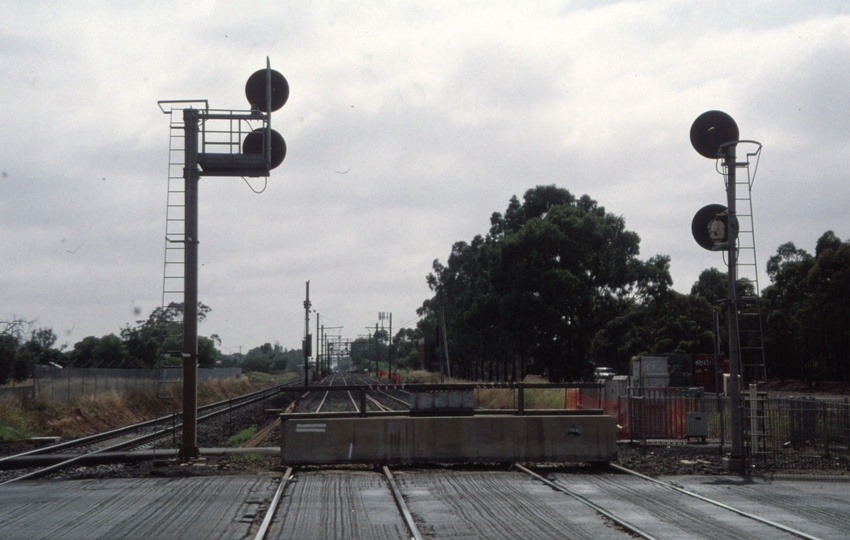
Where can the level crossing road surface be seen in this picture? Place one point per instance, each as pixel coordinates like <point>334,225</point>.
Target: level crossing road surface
<point>444,503</point>
<point>212,507</point>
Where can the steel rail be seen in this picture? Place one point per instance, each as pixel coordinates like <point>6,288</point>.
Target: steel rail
<point>402,506</point>
<point>325,397</point>
<point>619,521</point>
<point>684,491</point>
<point>110,434</point>
<point>378,404</point>
<point>267,519</point>
<point>353,403</point>
<point>256,397</point>
<point>403,402</point>
<point>322,403</point>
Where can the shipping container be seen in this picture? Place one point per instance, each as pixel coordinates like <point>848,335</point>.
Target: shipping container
<point>662,371</point>
<point>704,372</point>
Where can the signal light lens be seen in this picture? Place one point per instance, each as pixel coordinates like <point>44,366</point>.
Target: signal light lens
<point>255,90</point>
<point>253,144</point>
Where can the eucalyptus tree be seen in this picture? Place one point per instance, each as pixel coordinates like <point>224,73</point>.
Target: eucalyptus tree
<point>552,272</point>
<point>808,311</point>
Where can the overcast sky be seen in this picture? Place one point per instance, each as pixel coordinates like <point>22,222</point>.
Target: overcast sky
<point>408,125</point>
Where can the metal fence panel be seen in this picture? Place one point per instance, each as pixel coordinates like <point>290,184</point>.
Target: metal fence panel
<point>778,433</point>
<point>66,384</point>
<point>802,433</point>
<point>19,393</point>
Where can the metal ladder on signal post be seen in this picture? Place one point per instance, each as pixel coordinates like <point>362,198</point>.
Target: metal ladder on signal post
<point>750,320</point>
<point>174,260</point>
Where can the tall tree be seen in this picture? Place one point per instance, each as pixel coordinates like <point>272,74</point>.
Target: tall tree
<point>551,273</point>
<point>808,311</point>
<point>160,336</point>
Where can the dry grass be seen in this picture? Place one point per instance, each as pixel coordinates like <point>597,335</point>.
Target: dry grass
<point>535,398</point>
<point>543,398</point>
<point>423,377</point>
<point>92,413</point>
<point>495,398</point>
<point>15,423</point>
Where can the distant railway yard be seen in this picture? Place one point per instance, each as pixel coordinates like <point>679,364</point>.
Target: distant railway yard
<point>130,484</point>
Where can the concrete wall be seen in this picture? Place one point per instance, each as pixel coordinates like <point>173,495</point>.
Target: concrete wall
<point>460,401</point>
<point>478,439</point>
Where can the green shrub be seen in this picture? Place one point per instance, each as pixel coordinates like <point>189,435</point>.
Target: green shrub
<point>239,439</point>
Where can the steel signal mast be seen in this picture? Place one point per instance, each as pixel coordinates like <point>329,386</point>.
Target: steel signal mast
<point>220,143</point>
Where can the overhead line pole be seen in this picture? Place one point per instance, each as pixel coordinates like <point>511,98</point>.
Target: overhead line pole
<point>318,343</point>
<point>369,330</point>
<point>327,355</point>
<point>307,340</point>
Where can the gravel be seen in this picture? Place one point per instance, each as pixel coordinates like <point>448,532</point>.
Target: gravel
<point>671,460</point>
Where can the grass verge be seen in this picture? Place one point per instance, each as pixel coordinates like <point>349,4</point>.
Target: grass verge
<point>97,412</point>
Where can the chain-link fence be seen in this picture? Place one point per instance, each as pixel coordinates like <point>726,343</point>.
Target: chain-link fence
<point>777,433</point>
<point>17,393</point>
<point>65,384</point>
<point>799,433</point>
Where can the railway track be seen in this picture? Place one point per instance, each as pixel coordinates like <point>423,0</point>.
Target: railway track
<point>712,524</point>
<point>519,501</point>
<point>710,518</point>
<point>501,503</point>
<point>135,436</point>
<point>613,515</point>
<point>317,399</point>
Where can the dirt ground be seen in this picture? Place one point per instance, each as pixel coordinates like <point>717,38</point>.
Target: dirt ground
<point>820,390</point>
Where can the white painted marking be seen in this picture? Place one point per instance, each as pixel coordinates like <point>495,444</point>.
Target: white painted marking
<point>310,428</point>
<point>350,450</point>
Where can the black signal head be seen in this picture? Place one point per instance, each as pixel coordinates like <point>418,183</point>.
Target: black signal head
<point>253,144</point>
<point>710,130</point>
<point>710,227</point>
<point>255,90</point>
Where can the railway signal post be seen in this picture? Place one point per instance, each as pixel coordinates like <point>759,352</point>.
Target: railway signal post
<point>221,143</point>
